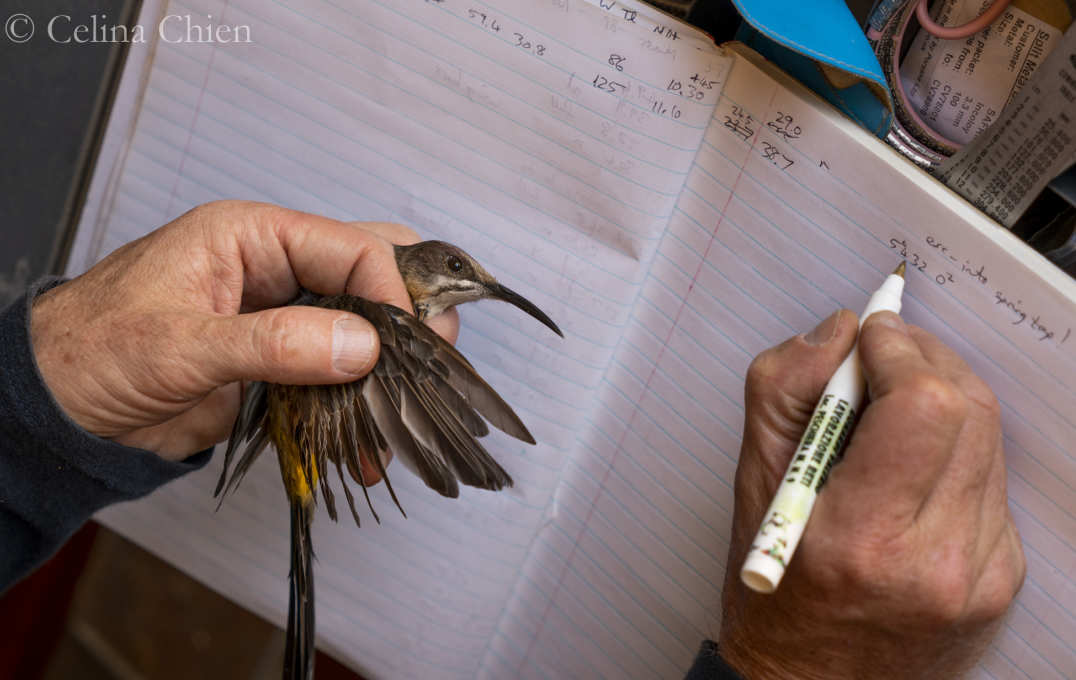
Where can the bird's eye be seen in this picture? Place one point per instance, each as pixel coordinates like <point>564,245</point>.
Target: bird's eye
<point>454,263</point>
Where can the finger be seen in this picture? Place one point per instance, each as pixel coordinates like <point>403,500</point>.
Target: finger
<point>953,367</point>
<point>940,355</point>
<point>975,476</point>
<point>783,386</point>
<point>390,231</point>
<point>446,324</point>
<point>278,250</point>
<point>290,345</point>
<point>888,354</point>
<point>371,473</point>
<point>907,433</point>
<point>336,257</point>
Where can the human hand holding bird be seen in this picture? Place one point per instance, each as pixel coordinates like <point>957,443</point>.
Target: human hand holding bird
<point>146,349</point>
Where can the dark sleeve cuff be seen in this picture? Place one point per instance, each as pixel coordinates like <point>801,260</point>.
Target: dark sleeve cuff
<point>710,666</point>
<point>53,474</point>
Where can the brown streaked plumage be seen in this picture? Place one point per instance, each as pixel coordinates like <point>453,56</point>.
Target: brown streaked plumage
<point>423,401</point>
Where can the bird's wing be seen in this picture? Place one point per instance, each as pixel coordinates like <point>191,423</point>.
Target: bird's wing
<point>459,375</point>
<point>421,398</point>
<point>423,401</point>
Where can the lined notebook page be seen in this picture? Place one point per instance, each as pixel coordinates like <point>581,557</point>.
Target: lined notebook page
<point>546,139</point>
<point>789,214</point>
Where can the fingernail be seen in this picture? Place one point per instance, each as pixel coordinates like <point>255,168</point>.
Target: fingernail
<point>888,319</point>
<point>353,346</point>
<point>824,331</point>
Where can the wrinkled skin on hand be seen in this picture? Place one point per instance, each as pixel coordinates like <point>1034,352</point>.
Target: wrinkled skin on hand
<point>910,557</point>
<point>149,346</point>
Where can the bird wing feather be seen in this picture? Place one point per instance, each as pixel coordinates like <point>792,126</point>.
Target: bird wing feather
<point>460,375</point>
<point>423,401</point>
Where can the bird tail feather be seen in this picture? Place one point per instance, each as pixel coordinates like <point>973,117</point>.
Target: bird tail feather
<point>299,640</point>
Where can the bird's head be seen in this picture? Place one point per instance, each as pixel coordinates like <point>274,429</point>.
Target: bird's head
<point>439,275</point>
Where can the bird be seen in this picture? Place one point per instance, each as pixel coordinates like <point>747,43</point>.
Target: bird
<point>423,401</point>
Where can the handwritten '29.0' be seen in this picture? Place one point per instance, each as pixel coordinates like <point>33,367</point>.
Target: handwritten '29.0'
<point>743,125</point>
<point>978,275</point>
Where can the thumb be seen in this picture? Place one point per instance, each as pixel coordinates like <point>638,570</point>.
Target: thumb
<point>783,386</point>
<point>291,345</point>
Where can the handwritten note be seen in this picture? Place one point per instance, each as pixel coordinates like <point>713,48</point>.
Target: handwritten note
<point>951,270</point>
<point>789,213</point>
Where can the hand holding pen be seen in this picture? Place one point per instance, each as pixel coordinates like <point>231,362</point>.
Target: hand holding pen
<point>910,556</point>
<point>819,449</point>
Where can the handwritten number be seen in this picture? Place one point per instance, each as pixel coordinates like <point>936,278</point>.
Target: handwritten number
<point>484,19</point>
<point>691,92</point>
<point>702,83</point>
<point>659,107</point>
<point>493,24</point>
<point>774,155</point>
<point>740,123</point>
<point>785,126</point>
<point>523,43</point>
<point>606,85</point>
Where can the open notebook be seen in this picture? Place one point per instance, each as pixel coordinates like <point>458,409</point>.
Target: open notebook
<point>676,208</point>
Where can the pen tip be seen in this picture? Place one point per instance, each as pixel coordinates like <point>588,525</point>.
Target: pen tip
<point>899,271</point>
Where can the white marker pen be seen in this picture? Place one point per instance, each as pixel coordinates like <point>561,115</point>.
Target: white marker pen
<point>819,449</point>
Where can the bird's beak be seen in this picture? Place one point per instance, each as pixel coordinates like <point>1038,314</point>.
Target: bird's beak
<point>500,292</point>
